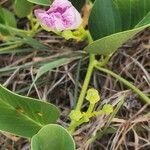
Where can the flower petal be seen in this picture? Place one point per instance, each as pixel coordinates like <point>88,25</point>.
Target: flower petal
<point>61,15</point>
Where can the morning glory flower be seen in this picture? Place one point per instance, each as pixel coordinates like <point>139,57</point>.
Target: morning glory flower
<point>61,15</point>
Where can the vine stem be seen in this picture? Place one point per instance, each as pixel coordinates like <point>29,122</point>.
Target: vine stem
<point>99,65</point>
<point>86,82</point>
<point>80,101</point>
<point>127,83</point>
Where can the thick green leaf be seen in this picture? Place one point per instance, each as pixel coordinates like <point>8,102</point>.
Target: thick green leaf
<point>115,21</point>
<point>144,21</point>
<point>104,19</point>
<point>22,8</point>
<point>6,18</point>
<point>78,4</point>
<point>24,116</point>
<point>12,1</point>
<point>132,12</point>
<point>110,44</point>
<point>111,16</point>
<point>41,2</point>
<point>52,137</point>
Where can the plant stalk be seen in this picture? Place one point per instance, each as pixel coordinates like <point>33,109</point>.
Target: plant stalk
<point>86,82</point>
<point>92,63</point>
<point>127,83</point>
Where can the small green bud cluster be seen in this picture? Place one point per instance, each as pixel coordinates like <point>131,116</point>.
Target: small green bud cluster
<point>93,96</point>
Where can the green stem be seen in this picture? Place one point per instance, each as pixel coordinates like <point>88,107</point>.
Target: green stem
<point>90,109</point>
<point>97,113</point>
<point>92,62</point>
<point>74,125</point>
<point>127,83</point>
<point>104,61</point>
<point>80,101</point>
<point>86,82</point>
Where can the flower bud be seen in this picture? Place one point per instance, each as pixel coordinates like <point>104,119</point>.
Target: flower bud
<point>93,96</point>
<point>61,15</point>
<point>107,109</point>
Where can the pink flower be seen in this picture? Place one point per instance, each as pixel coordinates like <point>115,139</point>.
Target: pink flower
<point>61,15</point>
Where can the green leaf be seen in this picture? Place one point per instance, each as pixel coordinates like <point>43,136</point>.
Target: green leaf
<point>110,44</point>
<point>6,18</point>
<point>41,2</point>
<point>144,21</point>
<point>78,4</point>
<point>52,137</point>
<point>24,116</point>
<point>22,8</point>
<point>104,19</point>
<point>112,18</point>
